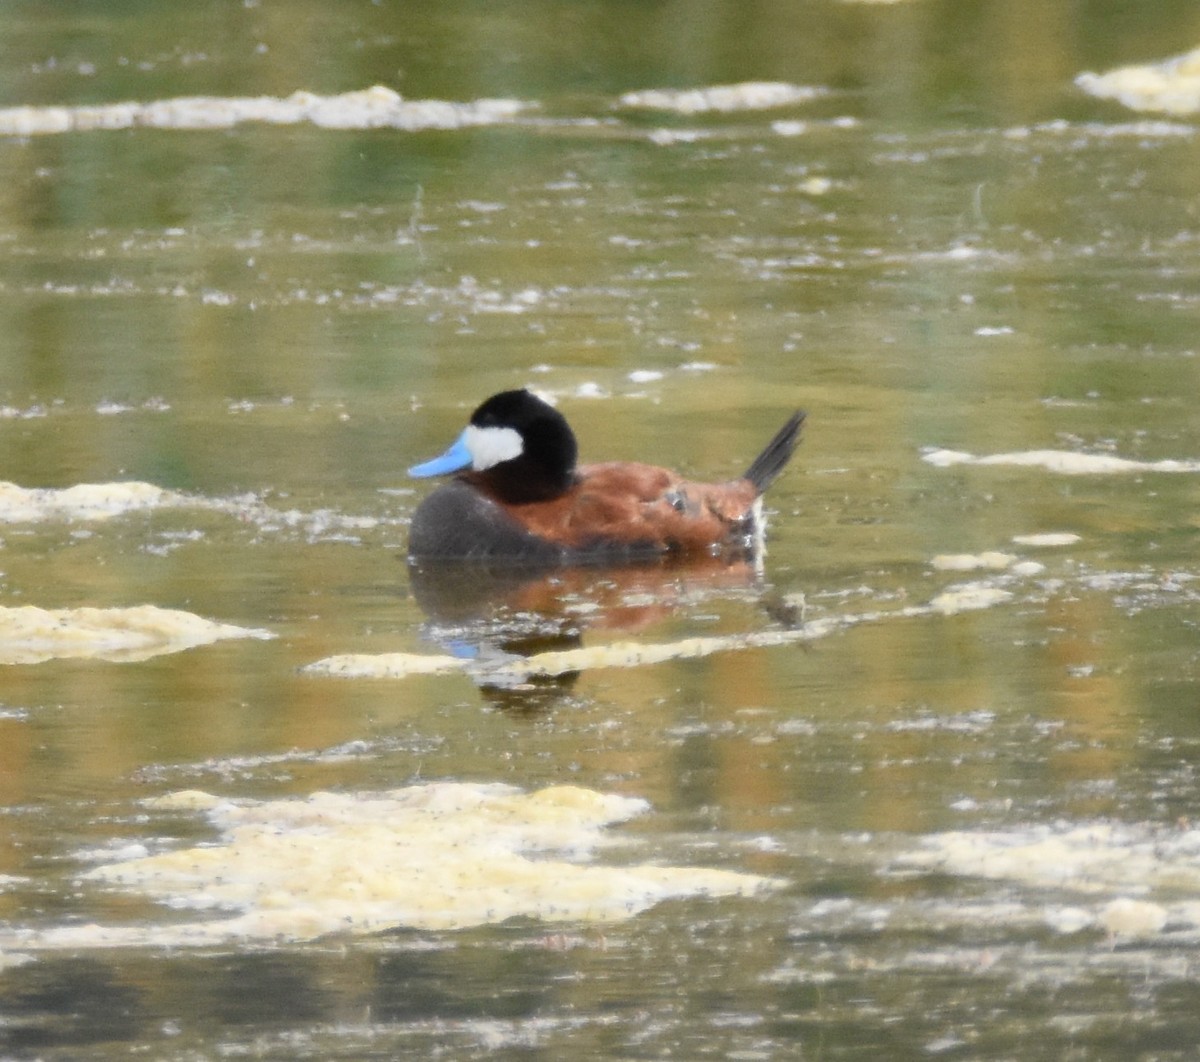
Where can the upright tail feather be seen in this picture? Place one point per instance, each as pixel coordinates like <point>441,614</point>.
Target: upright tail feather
<point>766,466</point>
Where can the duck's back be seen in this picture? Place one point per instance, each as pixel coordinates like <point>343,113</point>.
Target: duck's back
<point>640,509</point>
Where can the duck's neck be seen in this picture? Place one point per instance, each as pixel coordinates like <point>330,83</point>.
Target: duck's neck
<point>512,484</point>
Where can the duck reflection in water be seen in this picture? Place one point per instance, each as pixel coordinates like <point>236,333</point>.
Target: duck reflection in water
<point>522,549</point>
<point>489,615</point>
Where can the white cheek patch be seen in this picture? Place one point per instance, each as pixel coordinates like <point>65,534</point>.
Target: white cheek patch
<point>490,446</point>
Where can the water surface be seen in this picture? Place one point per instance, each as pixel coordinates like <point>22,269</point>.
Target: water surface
<point>957,755</point>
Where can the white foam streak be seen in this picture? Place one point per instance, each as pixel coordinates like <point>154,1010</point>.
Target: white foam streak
<point>1063,462</point>
<point>1128,863</point>
<point>1047,539</point>
<point>90,502</point>
<point>380,107</point>
<point>963,598</point>
<point>747,96</point>
<point>377,107</point>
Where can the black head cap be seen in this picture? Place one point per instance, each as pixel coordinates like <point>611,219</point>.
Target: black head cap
<point>545,468</point>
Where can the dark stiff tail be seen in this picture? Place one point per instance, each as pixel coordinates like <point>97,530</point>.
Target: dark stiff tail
<point>767,465</point>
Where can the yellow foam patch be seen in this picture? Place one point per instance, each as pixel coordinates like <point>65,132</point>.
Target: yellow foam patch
<point>560,662</point>
<point>30,635</point>
<point>1171,86</point>
<point>84,501</point>
<point>968,598</point>
<point>433,857</point>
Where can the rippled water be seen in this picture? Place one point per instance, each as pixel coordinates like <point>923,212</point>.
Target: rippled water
<point>922,784</point>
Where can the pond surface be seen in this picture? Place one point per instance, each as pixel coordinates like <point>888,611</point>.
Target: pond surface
<point>921,784</point>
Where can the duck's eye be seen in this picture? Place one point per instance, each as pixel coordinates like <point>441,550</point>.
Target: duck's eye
<point>677,500</point>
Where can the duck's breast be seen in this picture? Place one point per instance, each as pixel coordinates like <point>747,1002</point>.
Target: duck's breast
<point>457,521</point>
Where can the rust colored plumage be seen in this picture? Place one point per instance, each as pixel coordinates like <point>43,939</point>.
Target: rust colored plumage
<point>640,507</point>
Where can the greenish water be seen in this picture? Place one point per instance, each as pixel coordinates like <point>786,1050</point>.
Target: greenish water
<point>947,247</point>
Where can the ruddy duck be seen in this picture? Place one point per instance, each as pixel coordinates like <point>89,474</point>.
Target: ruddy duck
<point>519,496</point>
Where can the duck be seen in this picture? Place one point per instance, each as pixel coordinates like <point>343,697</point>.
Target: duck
<point>516,493</point>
